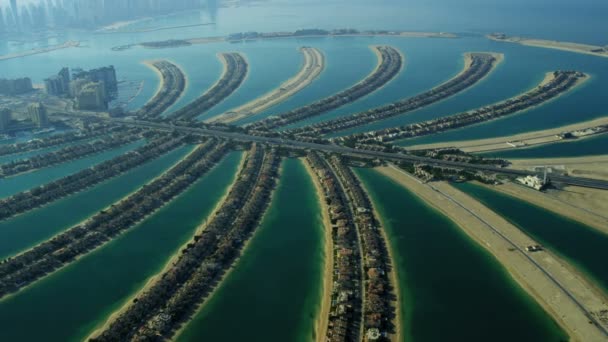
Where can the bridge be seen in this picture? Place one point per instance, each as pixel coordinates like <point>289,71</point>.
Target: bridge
<point>395,157</point>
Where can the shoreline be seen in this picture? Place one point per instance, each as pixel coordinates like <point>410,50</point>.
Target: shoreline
<point>554,45</point>
<point>564,294</point>
<point>152,280</point>
<point>569,210</point>
<point>322,319</point>
<point>529,139</point>
<point>394,280</point>
<point>302,79</point>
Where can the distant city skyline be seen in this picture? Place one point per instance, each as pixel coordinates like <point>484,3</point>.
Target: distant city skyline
<point>36,15</point>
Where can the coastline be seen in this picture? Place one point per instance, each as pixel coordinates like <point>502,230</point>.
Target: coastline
<point>322,319</point>
<point>534,138</point>
<point>563,293</point>
<point>573,210</point>
<point>394,281</point>
<point>152,280</point>
<point>554,45</point>
<point>280,94</point>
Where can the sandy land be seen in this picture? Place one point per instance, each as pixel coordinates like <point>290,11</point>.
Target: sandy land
<point>31,52</point>
<point>594,50</point>
<point>589,166</point>
<point>517,140</point>
<point>322,319</point>
<point>394,281</point>
<point>584,205</point>
<point>314,64</point>
<point>154,279</point>
<point>564,293</point>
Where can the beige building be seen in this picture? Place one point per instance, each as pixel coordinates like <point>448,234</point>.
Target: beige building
<point>92,96</point>
<point>38,114</point>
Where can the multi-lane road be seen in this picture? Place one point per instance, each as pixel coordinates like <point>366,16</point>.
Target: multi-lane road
<point>576,181</point>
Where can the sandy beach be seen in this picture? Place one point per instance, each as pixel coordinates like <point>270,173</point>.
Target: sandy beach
<point>154,279</point>
<point>323,314</point>
<point>313,66</point>
<point>587,206</point>
<point>593,50</point>
<point>517,140</point>
<point>566,295</point>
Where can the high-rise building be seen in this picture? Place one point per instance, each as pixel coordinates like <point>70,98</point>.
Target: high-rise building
<point>106,75</point>
<point>5,119</point>
<point>92,96</point>
<point>58,85</point>
<point>38,114</point>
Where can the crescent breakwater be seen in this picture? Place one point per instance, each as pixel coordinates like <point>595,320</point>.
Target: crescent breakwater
<point>172,85</point>
<point>477,66</point>
<point>314,64</point>
<point>28,267</point>
<point>594,50</point>
<point>235,72</point>
<point>160,310</point>
<point>390,63</point>
<point>554,85</point>
<point>305,33</point>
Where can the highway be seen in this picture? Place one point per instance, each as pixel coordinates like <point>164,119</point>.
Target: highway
<point>567,180</point>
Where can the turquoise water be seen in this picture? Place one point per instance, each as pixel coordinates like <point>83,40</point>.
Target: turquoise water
<point>585,147</point>
<point>28,229</point>
<point>274,291</point>
<point>586,247</point>
<point>69,304</point>
<point>451,288</point>
<point>13,185</point>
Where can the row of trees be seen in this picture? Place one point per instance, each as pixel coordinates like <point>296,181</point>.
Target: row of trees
<point>94,130</point>
<point>69,153</point>
<point>50,192</point>
<point>391,62</point>
<point>378,308</point>
<point>236,70</point>
<point>562,81</point>
<point>45,258</point>
<point>481,64</point>
<point>173,86</point>
<point>156,313</point>
<point>345,315</point>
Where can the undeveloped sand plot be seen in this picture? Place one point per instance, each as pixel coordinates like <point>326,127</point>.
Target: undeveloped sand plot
<point>567,296</point>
